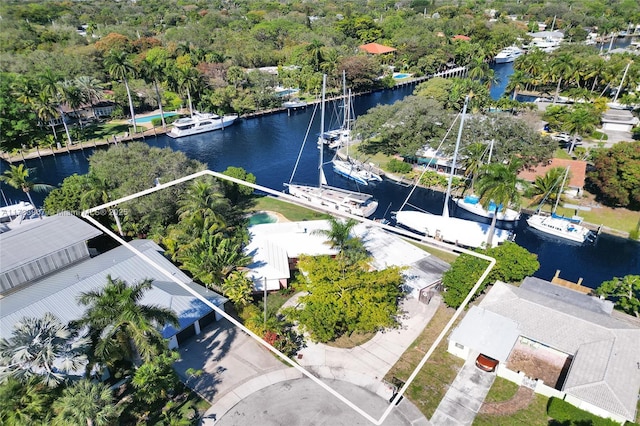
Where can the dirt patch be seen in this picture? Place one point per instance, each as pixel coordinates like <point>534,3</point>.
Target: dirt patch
<point>539,362</point>
<point>520,401</point>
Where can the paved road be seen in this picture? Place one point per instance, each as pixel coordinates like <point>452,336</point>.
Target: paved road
<point>303,403</point>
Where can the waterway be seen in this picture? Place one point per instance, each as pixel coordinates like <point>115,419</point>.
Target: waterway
<point>268,146</point>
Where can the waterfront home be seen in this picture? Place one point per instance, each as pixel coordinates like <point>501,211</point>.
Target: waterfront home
<point>47,263</point>
<point>574,185</point>
<point>276,248</point>
<point>559,342</point>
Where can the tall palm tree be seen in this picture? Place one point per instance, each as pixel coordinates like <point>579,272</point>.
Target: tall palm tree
<point>473,160</point>
<point>122,328</point>
<point>119,67</point>
<point>582,119</point>
<point>71,95</point>
<point>499,183</point>
<point>47,111</point>
<point>49,87</point>
<point>42,347</point>
<point>91,89</point>
<point>562,67</point>
<point>86,403</point>
<point>546,186</point>
<point>25,403</point>
<point>152,71</point>
<point>18,177</point>
<point>189,82</point>
<point>99,193</point>
<point>315,49</point>
<point>338,232</point>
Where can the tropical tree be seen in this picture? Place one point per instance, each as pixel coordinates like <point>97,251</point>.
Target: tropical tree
<point>155,378</point>
<point>616,174</point>
<point>99,194</point>
<point>581,119</point>
<point>91,89</point>
<point>42,347</point>
<point>238,288</point>
<point>625,291</point>
<point>188,81</point>
<point>546,187</point>
<point>25,403</point>
<point>338,232</point>
<point>18,177</point>
<point>121,328</point>
<point>499,183</point>
<point>153,70</point>
<point>86,403</point>
<point>562,67</point>
<point>51,94</point>
<point>315,50</point>
<point>473,160</point>
<point>119,66</point>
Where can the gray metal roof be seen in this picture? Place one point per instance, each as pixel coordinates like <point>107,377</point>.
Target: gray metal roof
<point>37,238</point>
<point>487,332</point>
<point>604,371</point>
<point>566,295</point>
<point>57,293</point>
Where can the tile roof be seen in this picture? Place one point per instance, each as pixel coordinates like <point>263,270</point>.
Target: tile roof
<point>577,171</point>
<point>604,370</point>
<point>376,49</point>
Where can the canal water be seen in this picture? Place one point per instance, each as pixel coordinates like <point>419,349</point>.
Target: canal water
<point>268,146</point>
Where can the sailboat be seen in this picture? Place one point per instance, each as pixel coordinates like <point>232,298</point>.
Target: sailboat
<point>337,138</point>
<point>349,168</point>
<point>560,226</point>
<point>328,197</point>
<point>471,203</point>
<point>461,232</point>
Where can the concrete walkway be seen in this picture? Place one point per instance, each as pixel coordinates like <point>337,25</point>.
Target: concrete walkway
<point>465,396</point>
<point>364,366</point>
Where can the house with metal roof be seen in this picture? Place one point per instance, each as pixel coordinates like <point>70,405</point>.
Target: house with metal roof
<point>276,247</point>
<point>602,346</point>
<point>72,272</point>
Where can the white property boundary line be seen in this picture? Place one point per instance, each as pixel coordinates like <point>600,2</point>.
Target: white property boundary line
<point>87,215</point>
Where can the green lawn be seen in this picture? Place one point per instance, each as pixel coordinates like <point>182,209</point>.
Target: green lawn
<point>501,390</point>
<point>534,415</point>
<point>434,379</point>
<point>291,211</point>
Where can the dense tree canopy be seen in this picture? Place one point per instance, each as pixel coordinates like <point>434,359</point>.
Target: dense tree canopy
<point>513,263</point>
<point>616,174</point>
<point>345,299</point>
<point>624,291</point>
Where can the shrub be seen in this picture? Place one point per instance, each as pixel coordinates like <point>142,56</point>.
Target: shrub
<point>568,414</point>
<point>397,166</point>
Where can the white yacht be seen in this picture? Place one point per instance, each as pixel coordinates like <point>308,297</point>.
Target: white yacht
<point>13,211</point>
<point>200,122</point>
<point>560,227</point>
<point>355,171</point>
<point>508,54</point>
<point>471,203</point>
<point>328,197</point>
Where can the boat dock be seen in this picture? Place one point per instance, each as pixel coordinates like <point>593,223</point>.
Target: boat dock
<point>569,284</point>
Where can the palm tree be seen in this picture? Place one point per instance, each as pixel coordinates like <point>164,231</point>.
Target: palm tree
<point>50,89</point>
<point>46,111</point>
<point>71,94</point>
<point>153,71</point>
<point>499,183</point>
<point>338,232</point>
<point>315,49</point>
<point>25,403</point>
<point>120,327</point>
<point>561,68</point>
<point>18,177</point>
<point>212,258</point>
<point>517,81</point>
<point>119,67</point>
<point>91,89</point>
<point>581,119</point>
<point>86,403</point>
<point>42,347</point>
<point>189,82</point>
<point>545,187</point>
<point>473,155</point>
<point>99,192</point>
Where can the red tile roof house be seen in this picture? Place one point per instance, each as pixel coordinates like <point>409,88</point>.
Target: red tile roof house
<point>577,173</point>
<point>376,49</point>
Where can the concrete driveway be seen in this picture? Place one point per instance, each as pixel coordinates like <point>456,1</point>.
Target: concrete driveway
<point>227,357</point>
<point>464,397</point>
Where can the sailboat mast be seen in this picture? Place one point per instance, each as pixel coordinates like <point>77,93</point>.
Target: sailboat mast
<point>320,143</point>
<point>445,210</point>
<point>564,180</point>
<point>344,99</point>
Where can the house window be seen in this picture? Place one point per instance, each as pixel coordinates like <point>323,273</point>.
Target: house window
<point>459,346</point>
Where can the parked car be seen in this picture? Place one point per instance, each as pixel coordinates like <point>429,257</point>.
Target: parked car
<point>486,363</point>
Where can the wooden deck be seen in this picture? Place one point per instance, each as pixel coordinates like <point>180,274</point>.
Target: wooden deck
<point>569,284</point>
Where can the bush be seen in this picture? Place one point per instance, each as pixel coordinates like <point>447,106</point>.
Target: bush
<point>568,414</point>
<point>157,122</point>
<point>397,166</point>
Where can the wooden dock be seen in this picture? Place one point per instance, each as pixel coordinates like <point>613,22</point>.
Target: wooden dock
<point>569,284</point>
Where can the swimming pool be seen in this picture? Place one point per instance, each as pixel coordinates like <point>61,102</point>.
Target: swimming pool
<point>148,118</point>
<point>262,217</point>
<point>400,75</point>
<point>287,92</point>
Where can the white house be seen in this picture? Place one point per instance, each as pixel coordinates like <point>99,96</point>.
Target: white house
<point>602,346</point>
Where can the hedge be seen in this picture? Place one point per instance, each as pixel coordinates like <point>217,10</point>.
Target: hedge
<point>562,411</point>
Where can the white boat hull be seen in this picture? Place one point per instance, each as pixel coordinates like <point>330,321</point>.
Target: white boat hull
<point>200,123</point>
<point>336,199</point>
<point>462,232</point>
<point>559,228</point>
<point>9,213</point>
<point>504,215</point>
<point>355,172</point>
